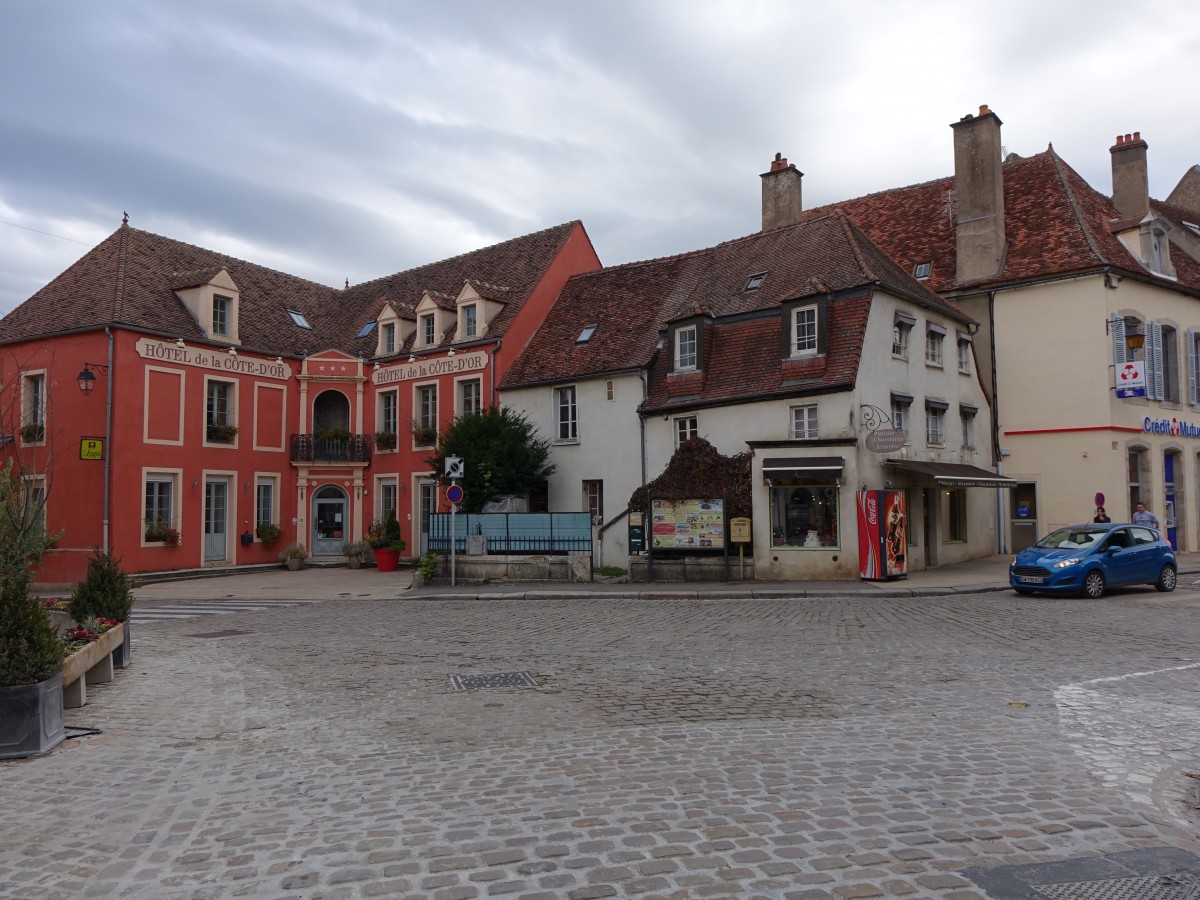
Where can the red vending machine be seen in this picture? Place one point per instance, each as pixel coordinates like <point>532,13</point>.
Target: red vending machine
<point>882,544</point>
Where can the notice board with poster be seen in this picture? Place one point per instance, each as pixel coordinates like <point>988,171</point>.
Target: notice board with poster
<point>687,524</point>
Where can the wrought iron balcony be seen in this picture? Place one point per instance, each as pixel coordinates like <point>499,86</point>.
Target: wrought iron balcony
<point>351,448</point>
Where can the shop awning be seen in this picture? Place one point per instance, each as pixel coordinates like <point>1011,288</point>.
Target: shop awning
<point>953,474</point>
<point>803,465</point>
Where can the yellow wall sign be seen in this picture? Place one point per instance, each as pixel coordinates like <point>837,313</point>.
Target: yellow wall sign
<point>91,448</point>
<point>739,530</point>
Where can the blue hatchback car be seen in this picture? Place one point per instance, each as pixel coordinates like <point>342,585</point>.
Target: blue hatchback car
<point>1087,559</point>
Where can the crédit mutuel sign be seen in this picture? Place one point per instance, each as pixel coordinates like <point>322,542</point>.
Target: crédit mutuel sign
<point>459,364</point>
<point>1172,427</point>
<point>211,359</point>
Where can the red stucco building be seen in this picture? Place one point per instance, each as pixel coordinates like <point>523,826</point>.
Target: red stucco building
<point>168,401</point>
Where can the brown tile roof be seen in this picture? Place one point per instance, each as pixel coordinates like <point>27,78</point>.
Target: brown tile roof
<point>1055,223</point>
<point>630,304</point>
<point>130,277</point>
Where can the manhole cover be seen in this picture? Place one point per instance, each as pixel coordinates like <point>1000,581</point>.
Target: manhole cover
<point>1154,887</point>
<point>229,632</point>
<point>495,680</point>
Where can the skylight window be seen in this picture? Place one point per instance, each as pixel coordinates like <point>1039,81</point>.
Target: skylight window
<point>755,282</point>
<point>922,270</point>
<point>364,331</point>
<point>1192,227</point>
<point>586,334</point>
<point>299,319</point>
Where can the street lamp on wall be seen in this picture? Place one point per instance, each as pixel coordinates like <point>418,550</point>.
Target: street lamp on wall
<point>86,379</point>
<point>1135,338</point>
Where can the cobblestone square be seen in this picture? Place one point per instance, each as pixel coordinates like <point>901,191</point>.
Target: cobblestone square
<point>839,747</point>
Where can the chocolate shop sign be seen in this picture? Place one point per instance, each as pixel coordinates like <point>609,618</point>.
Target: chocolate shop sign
<point>460,364</point>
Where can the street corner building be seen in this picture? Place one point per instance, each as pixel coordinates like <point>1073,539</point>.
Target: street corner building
<point>190,409</point>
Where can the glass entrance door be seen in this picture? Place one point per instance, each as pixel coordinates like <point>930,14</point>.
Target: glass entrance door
<point>329,521</point>
<point>216,498</point>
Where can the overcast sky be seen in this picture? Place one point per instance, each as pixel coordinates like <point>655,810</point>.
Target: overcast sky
<point>336,140</point>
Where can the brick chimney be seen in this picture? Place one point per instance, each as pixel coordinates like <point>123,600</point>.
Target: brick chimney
<point>979,184</point>
<point>781,194</point>
<point>1131,186</point>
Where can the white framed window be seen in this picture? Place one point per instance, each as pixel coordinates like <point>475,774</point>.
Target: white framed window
<point>426,425</point>
<point>568,422</point>
<point>804,422</point>
<point>470,322</point>
<point>220,315</point>
<point>159,516</point>
<point>900,332</point>
<point>220,411</point>
<point>935,423</point>
<point>266,499</point>
<point>388,338</point>
<point>935,336</point>
<point>388,501</point>
<point>964,353</point>
<point>33,408</point>
<point>428,330</point>
<point>804,331</point>
<point>389,413</point>
<point>685,348</point>
<point>901,404</point>
<point>610,391</point>
<point>686,427</point>
<point>470,397</point>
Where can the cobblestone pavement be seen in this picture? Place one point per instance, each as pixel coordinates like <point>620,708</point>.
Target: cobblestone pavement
<point>843,748</point>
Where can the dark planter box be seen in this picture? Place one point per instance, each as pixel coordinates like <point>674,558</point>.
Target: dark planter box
<point>31,718</point>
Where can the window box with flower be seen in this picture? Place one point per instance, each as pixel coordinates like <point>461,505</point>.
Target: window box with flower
<point>222,432</point>
<point>161,533</point>
<point>385,440</point>
<point>269,534</point>
<point>33,433</point>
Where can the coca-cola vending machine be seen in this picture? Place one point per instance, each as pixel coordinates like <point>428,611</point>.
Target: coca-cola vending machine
<point>882,541</point>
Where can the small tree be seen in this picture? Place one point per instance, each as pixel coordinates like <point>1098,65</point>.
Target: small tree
<point>104,591</point>
<point>30,650</point>
<point>503,455</point>
<point>698,471</point>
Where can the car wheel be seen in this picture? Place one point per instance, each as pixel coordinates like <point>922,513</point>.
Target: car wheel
<point>1093,584</point>
<point>1166,579</point>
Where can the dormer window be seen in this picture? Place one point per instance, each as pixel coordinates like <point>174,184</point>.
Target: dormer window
<point>388,338</point>
<point>428,326</point>
<point>470,322</point>
<point>804,331</point>
<point>685,348</point>
<point>220,316</point>
<point>298,318</point>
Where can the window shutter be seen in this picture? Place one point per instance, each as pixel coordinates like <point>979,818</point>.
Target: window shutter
<point>1117,329</point>
<point>1191,364</point>
<point>1154,361</point>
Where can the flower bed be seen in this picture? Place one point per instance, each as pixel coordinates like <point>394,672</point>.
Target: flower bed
<point>90,663</point>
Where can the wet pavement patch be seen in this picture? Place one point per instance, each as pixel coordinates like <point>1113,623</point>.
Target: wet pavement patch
<point>496,680</point>
<point>1155,873</point>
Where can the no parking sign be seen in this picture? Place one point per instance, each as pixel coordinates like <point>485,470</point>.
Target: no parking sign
<point>454,493</point>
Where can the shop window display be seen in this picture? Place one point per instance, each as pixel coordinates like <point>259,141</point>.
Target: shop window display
<point>804,516</point>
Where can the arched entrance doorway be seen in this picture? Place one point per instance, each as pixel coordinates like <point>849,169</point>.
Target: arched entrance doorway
<point>330,518</point>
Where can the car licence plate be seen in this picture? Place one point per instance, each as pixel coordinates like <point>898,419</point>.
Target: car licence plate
<point>1030,579</point>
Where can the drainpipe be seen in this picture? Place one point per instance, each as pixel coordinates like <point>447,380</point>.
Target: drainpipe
<point>646,531</point>
<point>108,449</point>
<point>492,369</point>
<point>1001,543</point>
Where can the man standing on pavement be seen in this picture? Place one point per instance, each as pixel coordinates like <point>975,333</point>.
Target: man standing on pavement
<point>1143,516</point>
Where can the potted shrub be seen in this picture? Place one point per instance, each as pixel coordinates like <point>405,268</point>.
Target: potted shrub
<point>269,534</point>
<point>386,543</point>
<point>335,434</point>
<point>294,556</point>
<point>31,696</point>
<point>354,553</point>
<point>385,440</point>
<point>105,592</point>
<point>33,432</point>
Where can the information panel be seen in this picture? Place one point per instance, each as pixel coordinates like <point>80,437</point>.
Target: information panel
<point>688,524</point>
